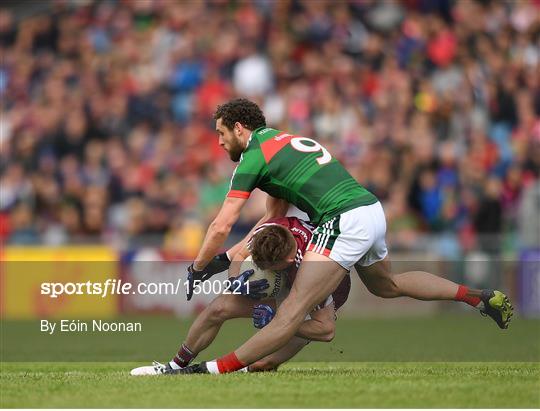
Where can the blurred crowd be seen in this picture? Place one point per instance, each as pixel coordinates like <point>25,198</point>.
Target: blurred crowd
<point>106,112</point>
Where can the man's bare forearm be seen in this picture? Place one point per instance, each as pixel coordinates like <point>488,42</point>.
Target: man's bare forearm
<point>215,237</point>
<point>218,231</point>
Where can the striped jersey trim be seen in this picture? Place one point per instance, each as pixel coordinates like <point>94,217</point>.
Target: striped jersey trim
<point>324,237</point>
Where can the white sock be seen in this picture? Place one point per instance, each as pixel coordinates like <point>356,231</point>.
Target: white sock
<point>212,367</point>
<point>174,365</point>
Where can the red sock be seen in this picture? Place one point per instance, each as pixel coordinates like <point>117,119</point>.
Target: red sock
<point>229,363</point>
<point>461,295</point>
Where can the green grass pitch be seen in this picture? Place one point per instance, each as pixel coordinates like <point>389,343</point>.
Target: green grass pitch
<point>314,385</point>
<point>444,361</point>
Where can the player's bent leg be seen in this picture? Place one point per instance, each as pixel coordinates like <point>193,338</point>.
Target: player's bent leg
<point>320,325</point>
<point>202,332</point>
<point>378,279</point>
<point>207,324</point>
<point>317,278</point>
<point>415,284</point>
<point>426,286</point>
<point>273,361</point>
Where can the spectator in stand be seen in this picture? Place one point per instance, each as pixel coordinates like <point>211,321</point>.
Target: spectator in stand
<point>106,110</point>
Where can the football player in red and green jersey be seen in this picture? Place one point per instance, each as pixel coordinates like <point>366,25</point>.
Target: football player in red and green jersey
<point>299,170</point>
<point>350,230</point>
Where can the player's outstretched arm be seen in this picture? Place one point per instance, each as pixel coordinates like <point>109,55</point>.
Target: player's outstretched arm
<point>215,237</point>
<point>218,231</point>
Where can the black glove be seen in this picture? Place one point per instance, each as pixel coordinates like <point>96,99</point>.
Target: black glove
<point>218,264</point>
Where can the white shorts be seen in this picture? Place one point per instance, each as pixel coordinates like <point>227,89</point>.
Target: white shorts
<point>357,235</point>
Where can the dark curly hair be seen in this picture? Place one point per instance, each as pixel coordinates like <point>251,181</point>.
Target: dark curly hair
<point>271,245</point>
<point>240,110</point>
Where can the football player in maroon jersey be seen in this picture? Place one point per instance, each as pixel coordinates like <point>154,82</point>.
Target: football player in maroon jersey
<point>277,244</point>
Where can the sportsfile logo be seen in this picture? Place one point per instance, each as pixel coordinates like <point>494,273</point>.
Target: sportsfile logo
<point>119,287</point>
<point>109,287</point>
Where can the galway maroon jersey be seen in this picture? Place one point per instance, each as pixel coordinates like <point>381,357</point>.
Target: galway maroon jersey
<point>302,232</point>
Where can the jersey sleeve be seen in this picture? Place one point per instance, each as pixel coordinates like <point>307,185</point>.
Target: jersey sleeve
<point>247,175</point>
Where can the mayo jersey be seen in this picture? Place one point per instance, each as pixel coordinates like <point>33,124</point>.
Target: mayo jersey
<point>299,170</point>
